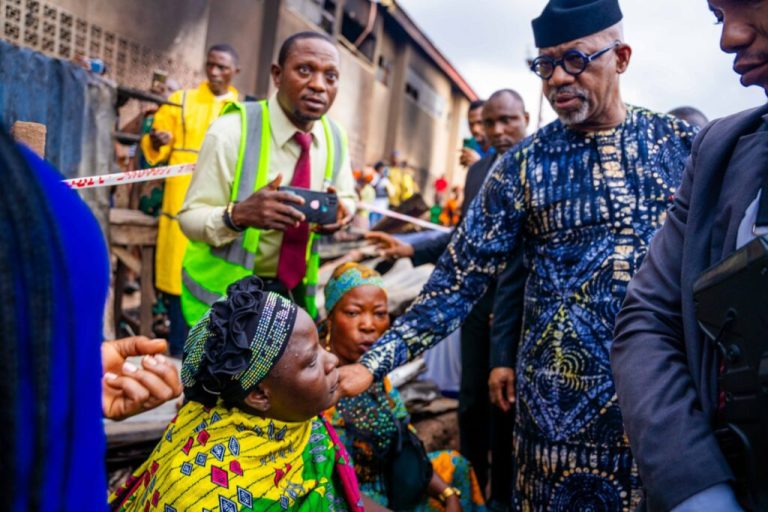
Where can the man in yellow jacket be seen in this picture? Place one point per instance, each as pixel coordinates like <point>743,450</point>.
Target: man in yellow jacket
<point>176,137</point>
<point>401,178</point>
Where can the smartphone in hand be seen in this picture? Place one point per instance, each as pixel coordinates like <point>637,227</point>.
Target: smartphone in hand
<point>319,207</point>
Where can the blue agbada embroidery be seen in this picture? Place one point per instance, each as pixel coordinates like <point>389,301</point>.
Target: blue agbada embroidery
<point>587,206</point>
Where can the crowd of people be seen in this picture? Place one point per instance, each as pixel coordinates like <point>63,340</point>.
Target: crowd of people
<point>384,186</point>
<point>578,273</point>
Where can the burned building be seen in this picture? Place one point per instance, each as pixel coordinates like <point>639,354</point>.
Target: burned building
<point>397,92</point>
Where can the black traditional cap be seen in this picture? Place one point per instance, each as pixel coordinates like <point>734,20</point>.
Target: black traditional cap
<point>566,20</point>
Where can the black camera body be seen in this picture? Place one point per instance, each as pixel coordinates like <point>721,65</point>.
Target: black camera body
<point>732,309</point>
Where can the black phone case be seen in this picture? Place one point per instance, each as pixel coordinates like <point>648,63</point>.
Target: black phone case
<point>319,207</point>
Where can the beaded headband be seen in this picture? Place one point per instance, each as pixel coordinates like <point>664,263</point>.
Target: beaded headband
<point>238,342</point>
<point>272,334</point>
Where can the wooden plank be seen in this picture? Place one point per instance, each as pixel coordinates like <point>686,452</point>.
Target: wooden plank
<point>117,305</point>
<point>31,135</point>
<point>133,235</point>
<point>125,256</point>
<point>147,292</point>
<point>120,216</point>
<point>122,434</point>
<point>108,325</point>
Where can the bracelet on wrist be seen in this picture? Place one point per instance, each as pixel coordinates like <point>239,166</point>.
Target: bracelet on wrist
<point>227,217</point>
<point>447,493</point>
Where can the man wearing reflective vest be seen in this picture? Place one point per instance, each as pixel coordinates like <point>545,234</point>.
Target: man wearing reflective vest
<point>237,221</point>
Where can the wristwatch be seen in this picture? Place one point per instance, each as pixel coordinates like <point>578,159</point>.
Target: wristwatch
<point>447,493</point>
<point>227,217</point>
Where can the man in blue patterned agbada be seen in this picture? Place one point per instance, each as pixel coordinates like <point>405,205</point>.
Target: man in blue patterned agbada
<point>585,194</point>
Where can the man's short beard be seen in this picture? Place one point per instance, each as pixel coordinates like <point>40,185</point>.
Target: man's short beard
<point>305,118</point>
<point>575,117</point>
<point>571,117</point>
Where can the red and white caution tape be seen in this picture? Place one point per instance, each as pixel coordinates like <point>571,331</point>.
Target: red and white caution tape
<point>158,173</point>
<point>406,218</point>
<point>123,178</point>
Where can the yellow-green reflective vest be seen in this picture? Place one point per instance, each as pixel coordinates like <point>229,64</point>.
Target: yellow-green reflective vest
<point>206,270</point>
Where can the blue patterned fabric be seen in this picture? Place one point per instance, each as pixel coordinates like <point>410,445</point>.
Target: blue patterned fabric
<point>587,205</point>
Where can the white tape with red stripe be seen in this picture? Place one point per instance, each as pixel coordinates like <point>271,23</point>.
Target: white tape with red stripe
<point>159,173</point>
<point>123,178</point>
<point>406,218</point>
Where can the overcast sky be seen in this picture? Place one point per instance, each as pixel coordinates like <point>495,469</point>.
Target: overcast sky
<point>676,57</point>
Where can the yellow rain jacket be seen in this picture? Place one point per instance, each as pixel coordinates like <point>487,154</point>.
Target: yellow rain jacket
<point>187,126</point>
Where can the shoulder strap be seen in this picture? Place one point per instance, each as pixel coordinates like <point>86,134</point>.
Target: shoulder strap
<point>254,150</point>
<point>255,160</point>
<point>337,148</point>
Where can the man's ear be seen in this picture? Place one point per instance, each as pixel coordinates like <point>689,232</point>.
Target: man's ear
<point>623,56</point>
<point>276,75</point>
<point>527,119</point>
<point>258,399</point>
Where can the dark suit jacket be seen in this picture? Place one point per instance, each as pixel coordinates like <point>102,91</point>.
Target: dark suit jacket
<point>429,251</point>
<point>665,371</point>
<point>508,311</point>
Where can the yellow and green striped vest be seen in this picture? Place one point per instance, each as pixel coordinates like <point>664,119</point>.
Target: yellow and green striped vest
<point>206,270</point>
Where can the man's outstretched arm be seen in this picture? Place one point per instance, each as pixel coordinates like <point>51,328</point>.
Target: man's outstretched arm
<point>477,249</point>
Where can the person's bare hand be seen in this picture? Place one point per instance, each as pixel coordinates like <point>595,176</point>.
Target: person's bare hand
<point>149,109</point>
<point>159,139</point>
<point>453,504</point>
<point>468,156</point>
<point>127,390</point>
<point>269,208</point>
<point>354,379</point>
<point>343,217</point>
<point>501,386</point>
<point>389,247</point>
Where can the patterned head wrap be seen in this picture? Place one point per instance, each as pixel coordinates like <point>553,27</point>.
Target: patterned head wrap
<point>346,277</point>
<point>237,343</point>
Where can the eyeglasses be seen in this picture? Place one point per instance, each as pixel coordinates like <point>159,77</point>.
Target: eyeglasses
<point>573,62</point>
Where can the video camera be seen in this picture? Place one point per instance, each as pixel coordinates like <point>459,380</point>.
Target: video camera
<point>732,309</point>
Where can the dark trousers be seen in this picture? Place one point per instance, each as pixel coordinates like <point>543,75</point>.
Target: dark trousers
<point>482,426</point>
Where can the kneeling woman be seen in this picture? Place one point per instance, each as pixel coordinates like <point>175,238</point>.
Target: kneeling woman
<point>249,436</point>
<point>369,424</point>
